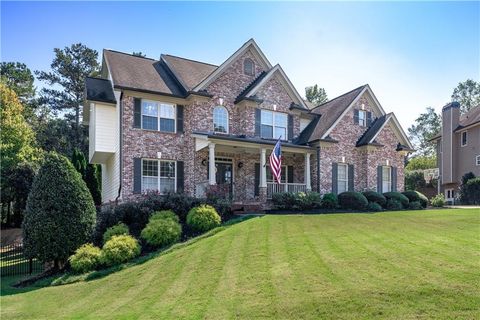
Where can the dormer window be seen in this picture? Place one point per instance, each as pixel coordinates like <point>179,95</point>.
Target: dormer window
<point>220,119</point>
<point>248,67</point>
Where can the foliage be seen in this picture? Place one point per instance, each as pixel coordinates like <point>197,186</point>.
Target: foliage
<point>60,214</point>
<point>223,207</point>
<point>116,230</point>
<point>164,214</point>
<point>79,162</point>
<point>284,200</point>
<point>93,177</point>
<point>421,163</point>
<point>467,93</point>
<point>179,203</point>
<point>415,205</point>
<point>373,196</point>
<point>426,126</point>
<point>86,258</point>
<point>18,77</point>
<point>469,192</point>
<point>162,230</point>
<point>415,196</point>
<point>316,95</point>
<point>397,196</point>
<point>119,249</point>
<point>414,180</point>
<point>296,200</point>
<point>139,54</point>
<point>438,201</point>
<point>352,200</point>
<point>394,205</point>
<point>374,207</point>
<point>203,218</point>
<point>329,201</point>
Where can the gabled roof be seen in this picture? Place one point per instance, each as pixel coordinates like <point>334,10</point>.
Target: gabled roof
<point>188,72</point>
<point>100,90</point>
<point>245,91</point>
<point>472,117</point>
<point>304,136</point>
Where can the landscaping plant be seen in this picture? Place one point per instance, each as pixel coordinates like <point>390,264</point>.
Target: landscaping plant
<point>393,195</point>
<point>86,258</point>
<point>438,201</point>
<point>374,207</point>
<point>163,229</point>
<point>352,200</point>
<point>373,196</point>
<point>203,218</point>
<point>394,205</point>
<point>119,249</point>
<point>416,196</point>
<point>116,230</point>
<point>329,201</point>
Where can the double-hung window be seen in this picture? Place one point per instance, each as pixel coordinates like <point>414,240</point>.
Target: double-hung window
<point>362,118</point>
<point>158,116</point>
<point>274,125</point>
<point>464,138</point>
<point>158,175</point>
<point>220,119</point>
<point>386,179</point>
<point>342,178</point>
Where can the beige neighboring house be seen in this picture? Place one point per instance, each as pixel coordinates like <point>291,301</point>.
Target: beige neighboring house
<point>458,148</point>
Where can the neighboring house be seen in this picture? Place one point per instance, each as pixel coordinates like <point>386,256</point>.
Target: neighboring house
<point>176,124</point>
<point>458,147</point>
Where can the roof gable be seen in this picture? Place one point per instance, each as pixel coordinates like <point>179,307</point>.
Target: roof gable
<point>188,72</point>
<point>378,125</point>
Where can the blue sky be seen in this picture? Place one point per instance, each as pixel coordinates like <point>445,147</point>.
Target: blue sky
<point>412,54</point>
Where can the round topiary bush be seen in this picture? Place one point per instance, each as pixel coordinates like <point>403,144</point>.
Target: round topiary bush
<point>60,214</point>
<point>162,231</point>
<point>116,230</point>
<point>329,201</point>
<point>352,200</point>
<point>397,196</point>
<point>119,249</point>
<point>164,214</point>
<point>438,201</point>
<point>415,205</point>
<point>394,205</point>
<point>86,258</point>
<point>374,207</point>
<point>203,218</point>
<point>376,197</point>
<point>416,196</point>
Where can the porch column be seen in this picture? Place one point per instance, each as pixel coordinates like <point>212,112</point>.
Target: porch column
<point>263,168</point>
<point>308,182</point>
<point>318,169</point>
<point>211,164</point>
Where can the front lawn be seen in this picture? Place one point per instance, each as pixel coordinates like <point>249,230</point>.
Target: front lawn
<point>397,265</point>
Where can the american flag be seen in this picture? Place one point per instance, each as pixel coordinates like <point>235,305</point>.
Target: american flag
<point>276,161</point>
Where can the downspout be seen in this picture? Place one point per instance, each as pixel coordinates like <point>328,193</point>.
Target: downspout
<point>120,148</point>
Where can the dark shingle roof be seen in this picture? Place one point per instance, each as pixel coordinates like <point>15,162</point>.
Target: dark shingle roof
<point>372,130</point>
<point>252,85</point>
<point>469,118</point>
<point>304,136</point>
<point>99,90</point>
<point>189,72</point>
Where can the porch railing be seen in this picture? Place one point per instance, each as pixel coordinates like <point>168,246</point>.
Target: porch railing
<point>284,187</point>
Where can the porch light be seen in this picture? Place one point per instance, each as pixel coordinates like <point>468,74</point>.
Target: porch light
<point>240,165</point>
<point>204,162</point>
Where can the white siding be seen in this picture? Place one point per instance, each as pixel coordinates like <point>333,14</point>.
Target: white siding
<point>106,127</point>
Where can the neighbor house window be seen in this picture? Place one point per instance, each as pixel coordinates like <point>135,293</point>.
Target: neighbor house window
<point>464,138</point>
<point>362,118</point>
<point>158,175</point>
<point>158,116</point>
<point>342,178</point>
<point>386,179</point>
<point>477,160</point>
<point>248,67</point>
<point>220,119</point>
<point>274,125</point>
<point>283,175</point>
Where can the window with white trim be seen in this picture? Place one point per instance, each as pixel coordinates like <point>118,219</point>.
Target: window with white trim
<point>386,179</point>
<point>342,178</point>
<point>158,175</point>
<point>283,175</point>
<point>274,125</point>
<point>362,118</point>
<point>220,119</point>
<point>464,138</point>
<point>158,116</point>
<point>477,160</point>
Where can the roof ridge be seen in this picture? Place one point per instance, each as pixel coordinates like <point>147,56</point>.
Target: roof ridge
<point>130,54</point>
<point>193,60</point>
<point>363,86</point>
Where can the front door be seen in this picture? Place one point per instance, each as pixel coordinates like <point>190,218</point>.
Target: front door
<point>224,177</point>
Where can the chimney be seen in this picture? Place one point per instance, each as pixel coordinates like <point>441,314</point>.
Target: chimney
<point>450,121</point>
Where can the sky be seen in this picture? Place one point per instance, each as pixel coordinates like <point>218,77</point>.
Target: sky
<point>412,54</point>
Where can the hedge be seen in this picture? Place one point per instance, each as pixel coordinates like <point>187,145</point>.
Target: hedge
<point>352,200</point>
<point>403,200</point>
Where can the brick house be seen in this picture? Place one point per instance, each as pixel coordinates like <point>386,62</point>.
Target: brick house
<point>176,124</point>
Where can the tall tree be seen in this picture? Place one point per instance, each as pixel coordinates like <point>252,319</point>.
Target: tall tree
<point>316,95</point>
<point>426,126</point>
<point>467,93</point>
<point>19,78</point>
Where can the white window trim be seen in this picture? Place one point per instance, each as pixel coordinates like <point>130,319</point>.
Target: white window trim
<point>158,177</point>
<point>342,180</point>
<point>228,120</point>
<point>159,103</point>
<point>466,138</point>
<point>389,180</point>
<point>364,123</point>
<point>477,160</point>
<point>273,124</point>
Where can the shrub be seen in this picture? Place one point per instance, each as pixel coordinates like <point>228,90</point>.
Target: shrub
<point>179,203</point>
<point>203,218</point>
<point>60,213</point>
<point>307,200</point>
<point>394,205</point>
<point>223,206</point>
<point>415,205</point>
<point>373,206</point>
<point>414,180</point>
<point>116,230</point>
<point>86,258</point>
<point>119,249</point>
<point>284,200</point>
<point>352,200</point>
<point>162,230</point>
<point>416,196</point>
<point>164,214</point>
<point>329,201</point>
<point>397,196</point>
<point>438,201</point>
<point>376,197</point>
<point>473,190</point>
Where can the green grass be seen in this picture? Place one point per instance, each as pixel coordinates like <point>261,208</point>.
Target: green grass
<point>401,265</point>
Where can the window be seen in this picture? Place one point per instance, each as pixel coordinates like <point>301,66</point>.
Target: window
<point>158,175</point>
<point>386,179</point>
<point>342,178</point>
<point>464,138</point>
<point>283,175</point>
<point>248,67</point>
<point>220,119</point>
<point>158,116</point>
<point>362,118</point>
<point>274,125</point>
<point>477,160</point>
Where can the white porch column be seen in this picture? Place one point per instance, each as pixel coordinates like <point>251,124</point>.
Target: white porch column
<point>263,168</point>
<point>307,172</point>
<point>211,164</point>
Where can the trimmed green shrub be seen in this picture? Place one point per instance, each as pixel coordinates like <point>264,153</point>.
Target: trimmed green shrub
<point>116,230</point>
<point>415,205</point>
<point>203,218</point>
<point>329,201</point>
<point>284,200</point>
<point>438,201</point>
<point>60,213</point>
<point>119,249</point>
<point>86,258</point>
<point>162,230</point>
<point>473,190</point>
<point>397,196</point>
<point>376,197</point>
<point>164,214</point>
<point>374,207</point>
<point>307,200</point>
<point>394,205</point>
<point>414,180</point>
<point>352,200</point>
<point>416,196</point>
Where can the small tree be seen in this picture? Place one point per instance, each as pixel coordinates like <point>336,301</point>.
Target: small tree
<point>60,214</point>
<point>93,181</point>
<point>79,162</point>
<point>316,95</point>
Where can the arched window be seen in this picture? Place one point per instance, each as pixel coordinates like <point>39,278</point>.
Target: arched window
<point>249,67</point>
<point>220,119</point>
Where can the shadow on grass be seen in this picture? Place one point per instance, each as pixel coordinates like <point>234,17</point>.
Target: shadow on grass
<point>7,283</point>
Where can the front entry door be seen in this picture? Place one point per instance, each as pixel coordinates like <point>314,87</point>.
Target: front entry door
<point>224,177</point>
